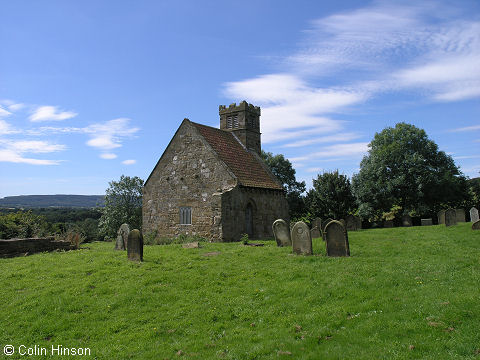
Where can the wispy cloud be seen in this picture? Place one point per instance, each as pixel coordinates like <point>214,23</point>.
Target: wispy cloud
<point>467,128</point>
<point>105,136</point>
<point>14,151</point>
<point>335,151</point>
<point>290,103</point>
<point>50,113</point>
<point>108,156</point>
<point>324,139</point>
<point>6,128</point>
<point>129,162</point>
<point>4,113</point>
<point>109,135</point>
<point>425,49</point>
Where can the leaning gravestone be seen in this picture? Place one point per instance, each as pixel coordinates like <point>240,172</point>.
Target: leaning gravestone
<point>336,239</point>
<point>476,225</point>
<point>460,214</point>
<point>474,214</point>
<point>135,246</point>
<point>441,217</point>
<point>317,222</point>
<point>426,222</point>
<point>450,217</point>
<point>315,233</point>
<point>406,220</point>
<point>301,240</point>
<point>351,222</point>
<point>281,233</point>
<point>122,237</point>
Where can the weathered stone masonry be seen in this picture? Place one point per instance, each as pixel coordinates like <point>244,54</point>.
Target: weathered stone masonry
<point>219,175</point>
<point>188,174</point>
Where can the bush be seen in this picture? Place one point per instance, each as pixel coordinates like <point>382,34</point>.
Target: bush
<point>71,236</point>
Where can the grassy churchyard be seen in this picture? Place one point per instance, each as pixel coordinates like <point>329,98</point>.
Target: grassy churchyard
<point>405,293</point>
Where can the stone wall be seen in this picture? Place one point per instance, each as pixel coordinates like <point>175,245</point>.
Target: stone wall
<point>18,247</point>
<point>188,174</point>
<point>267,206</point>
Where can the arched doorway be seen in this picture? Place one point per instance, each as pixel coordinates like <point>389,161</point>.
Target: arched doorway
<point>249,220</point>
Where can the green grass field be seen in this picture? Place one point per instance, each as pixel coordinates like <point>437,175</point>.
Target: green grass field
<point>405,293</point>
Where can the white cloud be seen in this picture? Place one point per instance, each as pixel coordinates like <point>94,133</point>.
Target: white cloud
<point>342,137</point>
<point>6,128</point>
<point>289,103</point>
<point>108,156</point>
<point>13,151</point>
<point>466,157</point>
<point>14,157</point>
<point>16,106</point>
<point>335,151</point>
<point>467,128</point>
<point>425,49</point>
<point>4,113</point>
<point>50,113</point>
<point>109,135</point>
<point>35,146</point>
<point>129,162</point>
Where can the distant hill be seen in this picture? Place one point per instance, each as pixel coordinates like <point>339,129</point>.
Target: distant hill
<point>45,201</point>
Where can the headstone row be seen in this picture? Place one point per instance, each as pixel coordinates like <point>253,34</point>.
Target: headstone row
<point>300,237</point>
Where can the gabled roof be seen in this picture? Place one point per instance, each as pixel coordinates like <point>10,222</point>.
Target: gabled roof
<point>247,167</point>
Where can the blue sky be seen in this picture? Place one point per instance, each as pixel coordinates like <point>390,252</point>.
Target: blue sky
<point>91,90</point>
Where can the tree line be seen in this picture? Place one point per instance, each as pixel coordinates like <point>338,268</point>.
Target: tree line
<point>403,173</point>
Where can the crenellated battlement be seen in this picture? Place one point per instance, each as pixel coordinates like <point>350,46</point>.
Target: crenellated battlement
<point>243,106</point>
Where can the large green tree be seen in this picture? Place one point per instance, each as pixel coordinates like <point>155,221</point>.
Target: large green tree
<point>331,196</point>
<point>123,204</point>
<point>282,168</point>
<point>404,169</point>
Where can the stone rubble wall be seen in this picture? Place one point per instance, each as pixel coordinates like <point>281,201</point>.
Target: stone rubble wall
<point>19,247</point>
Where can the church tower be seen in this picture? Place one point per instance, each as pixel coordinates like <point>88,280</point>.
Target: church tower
<point>244,122</point>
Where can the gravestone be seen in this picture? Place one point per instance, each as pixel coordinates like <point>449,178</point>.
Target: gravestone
<point>406,220</point>
<point>358,219</point>
<point>301,240</point>
<point>344,223</point>
<point>426,222</point>
<point>476,225</point>
<point>317,222</point>
<point>450,217</point>
<point>135,245</point>
<point>351,223</point>
<point>324,223</point>
<point>460,215</point>
<point>474,214</point>
<point>119,244</point>
<point>122,237</point>
<point>441,217</point>
<point>336,239</point>
<point>388,224</point>
<point>315,233</point>
<point>281,233</point>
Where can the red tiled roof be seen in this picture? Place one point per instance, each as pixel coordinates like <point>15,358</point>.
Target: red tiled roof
<point>244,165</point>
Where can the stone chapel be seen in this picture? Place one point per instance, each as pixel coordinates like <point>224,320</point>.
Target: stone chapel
<point>213,183</point>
